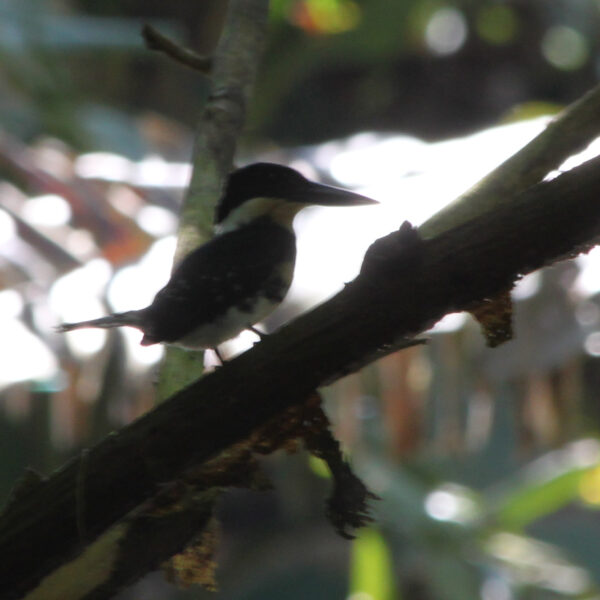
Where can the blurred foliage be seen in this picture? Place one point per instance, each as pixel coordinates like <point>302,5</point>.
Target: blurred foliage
<point>426,67</point>
<point>397,68</point>
<point>487,462</point>
<point>371,566</point>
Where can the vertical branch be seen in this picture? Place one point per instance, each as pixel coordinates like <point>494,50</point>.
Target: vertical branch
<point>234,69</point>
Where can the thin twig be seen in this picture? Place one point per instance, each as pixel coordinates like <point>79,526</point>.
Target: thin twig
<point>155,40</point>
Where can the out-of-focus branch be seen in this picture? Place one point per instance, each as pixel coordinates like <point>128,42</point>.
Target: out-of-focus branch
<point>155,40</point>
<point>234,68</point>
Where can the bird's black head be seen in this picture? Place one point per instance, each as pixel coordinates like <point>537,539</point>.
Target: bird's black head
<point>270,180</point>
<point>259,180</point>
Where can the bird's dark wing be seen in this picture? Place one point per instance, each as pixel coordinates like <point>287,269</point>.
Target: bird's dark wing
<point>229,271</point>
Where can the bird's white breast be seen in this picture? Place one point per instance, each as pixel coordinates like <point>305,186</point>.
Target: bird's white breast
<point>235,320</point>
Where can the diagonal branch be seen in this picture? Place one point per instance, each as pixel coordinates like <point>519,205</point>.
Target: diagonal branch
<point>406,284</point>
<point>568,133</point>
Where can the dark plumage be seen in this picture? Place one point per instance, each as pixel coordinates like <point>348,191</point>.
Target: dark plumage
<point>202,290</point>
<point>236,279</point>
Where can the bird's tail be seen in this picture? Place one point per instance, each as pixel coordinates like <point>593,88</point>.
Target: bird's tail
<point>131,318</point>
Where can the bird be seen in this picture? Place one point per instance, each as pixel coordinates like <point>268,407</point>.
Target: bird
<point>243,273</point>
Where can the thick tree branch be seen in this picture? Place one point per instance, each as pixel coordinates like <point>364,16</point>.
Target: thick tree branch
<point>406,284</point>
<point>568,133</point>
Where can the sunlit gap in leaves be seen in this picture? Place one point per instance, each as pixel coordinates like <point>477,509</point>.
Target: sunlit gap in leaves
<point>76,296</point>
<point>49,210</point>
<point>452,502</point>
<point>25,356</point>
<point>565,48</point>
<point>152,171</point>
<point>8,228</point>
<point>411,179</point>
<point>446,31</point>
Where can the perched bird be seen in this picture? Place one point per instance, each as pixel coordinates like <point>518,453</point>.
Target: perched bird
<point>236,279</point>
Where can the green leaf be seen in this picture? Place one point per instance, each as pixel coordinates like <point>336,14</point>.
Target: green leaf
<point>371,573</point>
<point>536,499</point>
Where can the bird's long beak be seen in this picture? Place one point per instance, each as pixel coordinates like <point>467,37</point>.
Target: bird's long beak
<point>327,195</point>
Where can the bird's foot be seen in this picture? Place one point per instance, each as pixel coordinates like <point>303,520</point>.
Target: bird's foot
<point>261,334</point>
<point>219,357</point>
